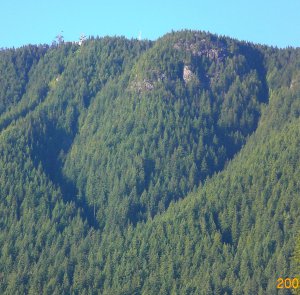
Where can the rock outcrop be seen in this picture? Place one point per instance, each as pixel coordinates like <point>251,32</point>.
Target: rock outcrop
<point>188,75</point>
<point>202,48</point>
<point>142,86</point>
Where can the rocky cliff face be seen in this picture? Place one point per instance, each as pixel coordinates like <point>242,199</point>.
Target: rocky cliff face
<point>216,52</point>
<point>188,75</point>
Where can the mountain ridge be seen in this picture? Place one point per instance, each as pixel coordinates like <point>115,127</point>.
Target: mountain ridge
<point>137,167</point>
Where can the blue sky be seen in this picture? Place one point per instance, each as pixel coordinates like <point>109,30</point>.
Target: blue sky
<point>269,22</point>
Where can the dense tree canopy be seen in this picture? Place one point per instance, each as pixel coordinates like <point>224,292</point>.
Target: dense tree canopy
<point>138,167</point>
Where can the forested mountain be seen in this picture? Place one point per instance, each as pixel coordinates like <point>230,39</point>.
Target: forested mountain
<point>140,167</point>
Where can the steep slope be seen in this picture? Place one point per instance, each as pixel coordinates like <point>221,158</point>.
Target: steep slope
<point>101,142</point>
<point>15,70</point>
<point>235,235</point>
<point>37,202</point>
<point>155,134</point>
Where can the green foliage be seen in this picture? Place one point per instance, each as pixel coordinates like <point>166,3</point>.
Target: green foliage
<point>142,148</point>
<point>136,167</point>
<point>15,70</point>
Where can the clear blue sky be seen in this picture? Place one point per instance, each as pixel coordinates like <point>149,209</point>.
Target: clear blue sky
<point>272,22</point>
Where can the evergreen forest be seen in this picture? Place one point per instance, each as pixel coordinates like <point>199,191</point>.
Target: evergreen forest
<point>149,167</point>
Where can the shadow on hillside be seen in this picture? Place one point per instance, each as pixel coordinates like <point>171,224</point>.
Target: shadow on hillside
<point>49,148</point>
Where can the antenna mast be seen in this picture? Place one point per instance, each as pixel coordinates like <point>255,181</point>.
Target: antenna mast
<point>82,39</point>
<point>60,38</point>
